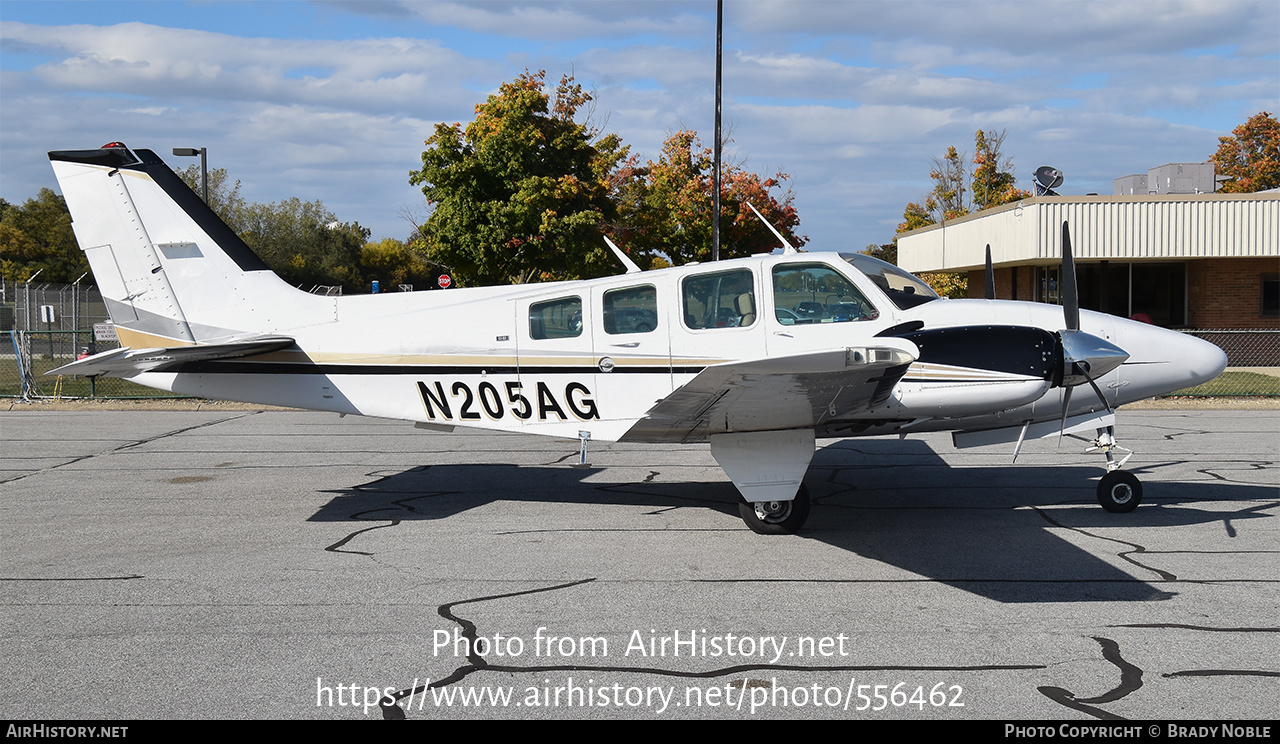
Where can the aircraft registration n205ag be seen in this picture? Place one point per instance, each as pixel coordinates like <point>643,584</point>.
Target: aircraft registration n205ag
<point>758,356</point>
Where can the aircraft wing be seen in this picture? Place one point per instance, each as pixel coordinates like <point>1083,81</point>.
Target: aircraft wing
<point>125,362</point>
<point>792,392</point>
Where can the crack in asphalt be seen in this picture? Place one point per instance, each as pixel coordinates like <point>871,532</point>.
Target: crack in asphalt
<point>1221,673</point>
<point>1123,555</point>
<point>391,709</point>
<point>129,445</point>
<point>392,522</point>
<point>1130,680</point>
<point>1208,628</point>
<point>72,578</point>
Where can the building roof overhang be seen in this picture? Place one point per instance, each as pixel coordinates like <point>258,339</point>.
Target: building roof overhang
<point>1128,228</point>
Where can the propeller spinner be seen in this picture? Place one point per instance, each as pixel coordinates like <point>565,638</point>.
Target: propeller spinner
<point>1085,357</point>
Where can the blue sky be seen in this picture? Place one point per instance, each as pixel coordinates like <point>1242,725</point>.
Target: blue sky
<point>333,100</point>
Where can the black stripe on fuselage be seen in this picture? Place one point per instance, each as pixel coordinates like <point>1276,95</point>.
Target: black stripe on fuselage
<point>220,367</point>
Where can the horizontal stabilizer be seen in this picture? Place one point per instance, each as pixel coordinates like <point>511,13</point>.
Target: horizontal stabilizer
<point>127,362</point>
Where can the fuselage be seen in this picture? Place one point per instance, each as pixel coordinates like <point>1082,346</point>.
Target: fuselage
<point>596,355</point>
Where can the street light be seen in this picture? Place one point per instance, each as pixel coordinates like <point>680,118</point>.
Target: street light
<point>191,152</point>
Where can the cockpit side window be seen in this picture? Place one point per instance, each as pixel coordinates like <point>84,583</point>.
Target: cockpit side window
<point>804,294</point>
<point>726,299</point>
<point>903,289</point>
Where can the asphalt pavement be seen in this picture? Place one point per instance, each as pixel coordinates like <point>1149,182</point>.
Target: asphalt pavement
<point>282,564</point>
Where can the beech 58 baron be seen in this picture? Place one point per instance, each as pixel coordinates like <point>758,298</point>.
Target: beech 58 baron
<point>757,356</point>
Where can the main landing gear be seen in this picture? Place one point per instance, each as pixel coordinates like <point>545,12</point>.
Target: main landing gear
<point>1119,491</point>
<point>776,517</point>
<point>767,468</point>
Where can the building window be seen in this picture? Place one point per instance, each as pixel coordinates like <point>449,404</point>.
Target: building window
<point>1153,292</point>
<point>1271,295</point>
<point>1159,290</point>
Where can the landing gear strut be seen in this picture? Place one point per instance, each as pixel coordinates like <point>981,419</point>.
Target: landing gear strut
<point>767,468</point>
<point>1119,491</point>
<point>776,517</point>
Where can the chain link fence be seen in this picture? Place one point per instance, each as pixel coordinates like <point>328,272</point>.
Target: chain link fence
<point>44,326</point>
<point>1253,362</point>
<point>48,325</point>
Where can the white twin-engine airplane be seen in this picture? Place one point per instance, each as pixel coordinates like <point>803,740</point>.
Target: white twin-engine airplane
<point>758,356</point>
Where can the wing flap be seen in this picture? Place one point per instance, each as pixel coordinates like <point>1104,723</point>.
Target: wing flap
<point>799,391</point>
<point>126,362</point>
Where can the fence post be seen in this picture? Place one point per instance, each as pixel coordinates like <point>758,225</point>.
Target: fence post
<point>22,354</point>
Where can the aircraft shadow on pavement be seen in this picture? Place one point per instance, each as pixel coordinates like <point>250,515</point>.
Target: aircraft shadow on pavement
<point>997,531</point>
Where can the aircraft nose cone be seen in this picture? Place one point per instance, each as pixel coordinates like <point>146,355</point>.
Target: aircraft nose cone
<point>1163,361</point>
<point>1202,360</point>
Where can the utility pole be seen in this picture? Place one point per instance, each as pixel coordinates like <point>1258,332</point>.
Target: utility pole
<point>191,152</point>
<point>715,199</point>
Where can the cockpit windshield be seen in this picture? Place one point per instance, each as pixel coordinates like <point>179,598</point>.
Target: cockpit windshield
<point>904,289</point>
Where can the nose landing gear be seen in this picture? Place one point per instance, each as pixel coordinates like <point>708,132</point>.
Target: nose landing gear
<point>1119,491</point>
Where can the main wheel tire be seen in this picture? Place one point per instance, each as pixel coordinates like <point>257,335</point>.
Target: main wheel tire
<point>1119,491</point>
<point>776,517</point>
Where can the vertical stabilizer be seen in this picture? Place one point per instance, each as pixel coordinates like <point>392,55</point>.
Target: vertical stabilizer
<point>170,271</point>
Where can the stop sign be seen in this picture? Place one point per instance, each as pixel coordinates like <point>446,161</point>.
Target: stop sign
<point>444,281</point>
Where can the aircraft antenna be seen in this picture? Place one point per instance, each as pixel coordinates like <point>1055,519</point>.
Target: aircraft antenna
<point>786,247</point>
<point>626,261</point>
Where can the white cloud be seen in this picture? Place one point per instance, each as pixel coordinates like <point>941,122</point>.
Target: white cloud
<point>852,99</point>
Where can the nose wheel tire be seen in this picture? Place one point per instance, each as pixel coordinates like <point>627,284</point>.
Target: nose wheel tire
<point>776,517</point>
<point>1119,491</point>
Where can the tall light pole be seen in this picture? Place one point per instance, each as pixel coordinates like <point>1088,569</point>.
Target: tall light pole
<point>715,198</point>
<point>191,152</point>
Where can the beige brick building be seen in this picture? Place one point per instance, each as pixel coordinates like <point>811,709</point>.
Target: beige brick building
<point>1198,262</point>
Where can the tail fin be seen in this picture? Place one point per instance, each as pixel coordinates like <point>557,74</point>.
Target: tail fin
<point>171,272</point>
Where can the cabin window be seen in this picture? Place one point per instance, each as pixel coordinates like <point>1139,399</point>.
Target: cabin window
<point>726,299</point>
<point>804,294</point>
<point>631,310</point>
<point>560,318</point>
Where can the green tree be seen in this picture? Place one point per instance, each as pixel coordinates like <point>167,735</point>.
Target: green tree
<point>665,206</point>
<point>1251,156</point>
<point>957,192</point>
<point>304,242</point>
<point>224,197</point>
<point>392,263</point>
<point>884,251</point>
<point>993,181</point>
<point>38,235</point>
<point>519,194</point>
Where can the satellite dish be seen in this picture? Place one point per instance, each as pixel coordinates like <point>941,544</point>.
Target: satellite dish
<point>1048,178</point>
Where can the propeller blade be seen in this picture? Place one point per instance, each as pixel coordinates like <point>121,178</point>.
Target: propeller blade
<point>1066,403</point>
<point>991,276</point>
<point>1070,298</point>
<point>1098,390</point>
